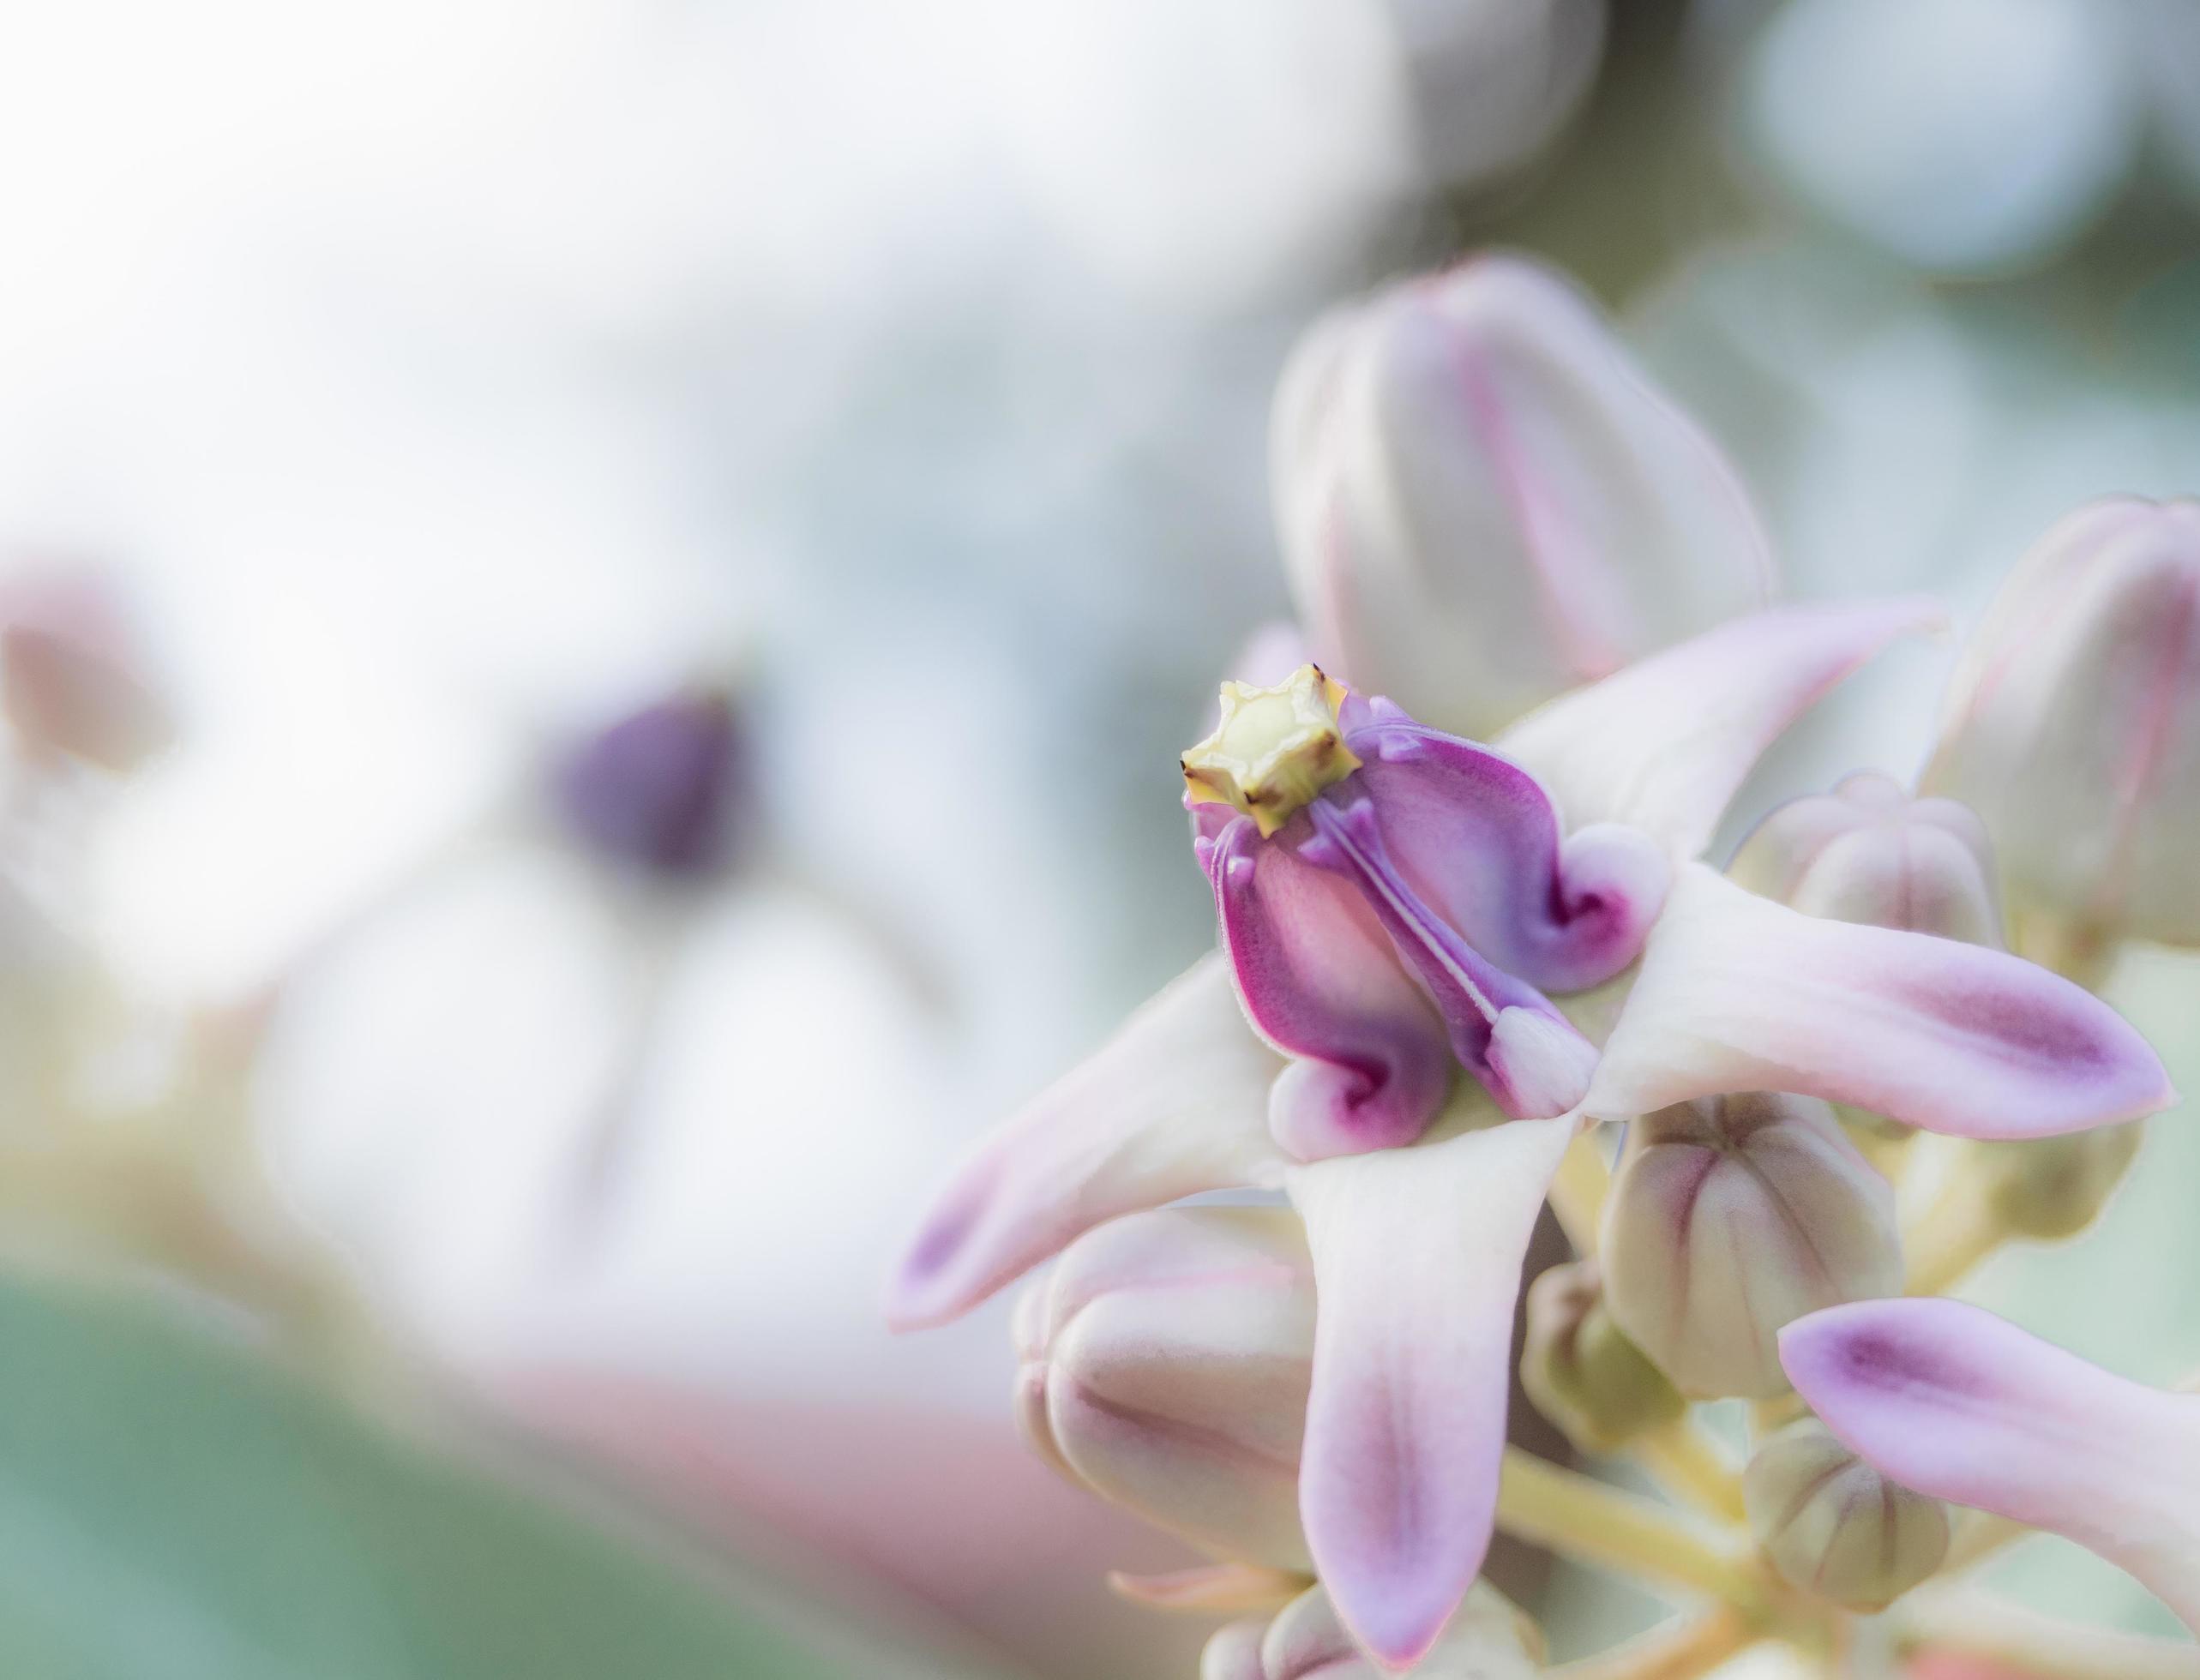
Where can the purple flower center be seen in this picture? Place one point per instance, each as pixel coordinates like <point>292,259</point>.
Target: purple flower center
<point>1401,915</point>
<point>656,792</point>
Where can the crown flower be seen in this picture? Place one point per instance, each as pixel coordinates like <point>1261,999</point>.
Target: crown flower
<point>1409,924</point>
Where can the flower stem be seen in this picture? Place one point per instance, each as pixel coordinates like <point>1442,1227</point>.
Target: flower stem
<point>1946,1245</point>
<point>1978,1538</point>
<point>2040,1646</point>
<point>2075,951</point>
<point>1688,1465</point>
<point>1593,1523</point>
<point>1680,1650</point>
<point>1578,1193</point>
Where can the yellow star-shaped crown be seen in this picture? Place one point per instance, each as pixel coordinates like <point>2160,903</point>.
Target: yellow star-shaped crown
<point>1274,750</point>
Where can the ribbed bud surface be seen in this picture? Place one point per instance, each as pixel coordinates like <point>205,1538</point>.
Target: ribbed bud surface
<point>1834,1526</point>
<point>1729,1218</point>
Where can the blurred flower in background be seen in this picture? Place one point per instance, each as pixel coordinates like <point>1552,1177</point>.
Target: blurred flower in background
<point>544,550</point>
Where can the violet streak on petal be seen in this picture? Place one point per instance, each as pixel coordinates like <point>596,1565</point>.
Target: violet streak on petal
<point>1737,993</point>
<point>1176,1103</point>
<point>1416,1256</point>
<point>1664,744</point>
<point>1950,1401</point>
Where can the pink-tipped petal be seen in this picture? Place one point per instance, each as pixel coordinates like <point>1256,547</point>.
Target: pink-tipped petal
<point>1176,1102</point>
<point>1738,994</point>
<point>1416,1256</point>
<point>1321,980</point>
<point>1948,1400</point>
<point>1664,744</point>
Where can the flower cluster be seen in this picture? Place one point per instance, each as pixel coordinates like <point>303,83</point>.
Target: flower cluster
<point>1452,967</point>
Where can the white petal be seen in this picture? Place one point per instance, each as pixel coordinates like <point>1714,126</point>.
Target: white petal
<point>1664,743</point>
<point>1738,994</point>
<point>1417,1255</point>
<point>1176,1102</point>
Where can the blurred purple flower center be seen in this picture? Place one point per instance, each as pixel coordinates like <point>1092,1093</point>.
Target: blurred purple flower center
<point>657,792</point>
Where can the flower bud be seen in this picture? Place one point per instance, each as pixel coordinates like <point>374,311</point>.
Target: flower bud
<point>1487,1639</point>
<point>73,678</point>
<point>656,792</point>
<point>1165,1365</point>
<point>1868,852</point>
<point>1834,1526</point>
<point>1483,502</point>
<point>2048,1188</point>
<point>1731,1216</point>
<point>1582,1372</point>
<point>2073,725</point>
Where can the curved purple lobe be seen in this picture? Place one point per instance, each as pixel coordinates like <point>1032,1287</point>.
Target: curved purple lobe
<point>1319,980</point>
<point>1947,1399</point>
<point>1176,1103</point>
<point>1526,1054</point>
<point>1738,994</point>
<point>1416,1258</point>
<point>1479,840</point>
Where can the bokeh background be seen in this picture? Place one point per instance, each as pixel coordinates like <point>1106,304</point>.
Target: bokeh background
<point>441,1243</point>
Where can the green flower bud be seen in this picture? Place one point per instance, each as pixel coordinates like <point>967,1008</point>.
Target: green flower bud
<point>1729,1218</point>
<point>1833,1525</point>
<point>1582,1371</point>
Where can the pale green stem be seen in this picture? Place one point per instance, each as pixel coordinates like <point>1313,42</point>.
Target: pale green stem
<point>1949,1241</point>
<point>1594,1523</point>
<point>1978,1537</point>
<point>1579,1191</point>
<point>1688,1465</point>
<point>1680,1650</point>
<point>2077,951</point>
<point>1766,1416</point>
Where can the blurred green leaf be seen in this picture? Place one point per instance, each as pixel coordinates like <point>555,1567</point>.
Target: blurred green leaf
<point>171,1507</point>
